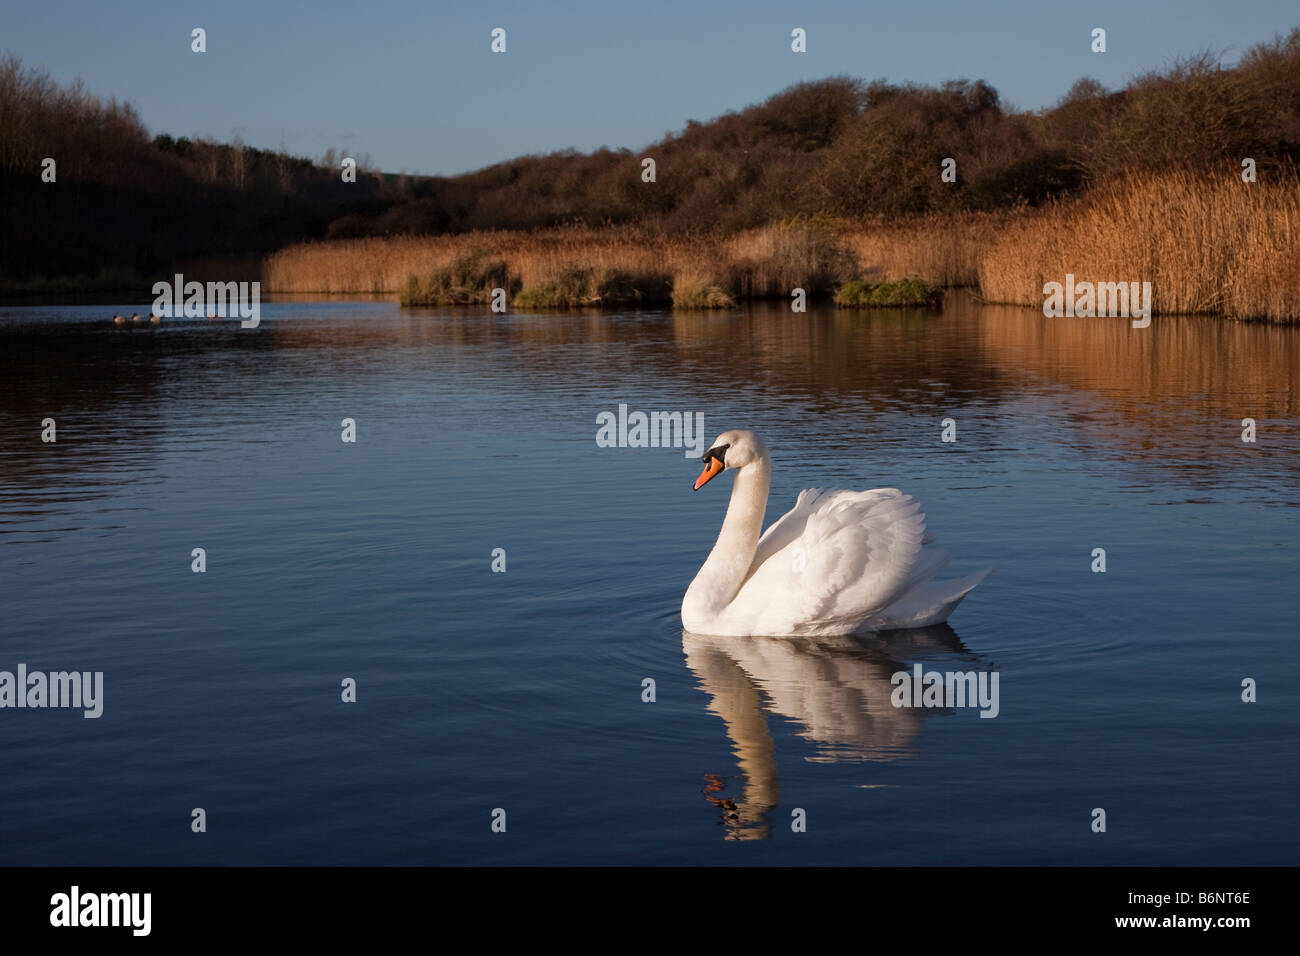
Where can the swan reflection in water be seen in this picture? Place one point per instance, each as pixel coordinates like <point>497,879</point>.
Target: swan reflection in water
<point>837,689</point>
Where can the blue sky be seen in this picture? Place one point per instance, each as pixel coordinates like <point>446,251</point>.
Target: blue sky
<point>415,86</point>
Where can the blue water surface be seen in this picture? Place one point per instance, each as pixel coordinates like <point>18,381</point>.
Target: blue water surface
<point>523,690</point>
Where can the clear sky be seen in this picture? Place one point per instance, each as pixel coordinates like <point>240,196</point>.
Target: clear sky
<point>413,83</point>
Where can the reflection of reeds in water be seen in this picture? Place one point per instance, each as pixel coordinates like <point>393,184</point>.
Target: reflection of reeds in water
<point>1171,395</point>
<point>1237,369</point>
<point>980,353</point>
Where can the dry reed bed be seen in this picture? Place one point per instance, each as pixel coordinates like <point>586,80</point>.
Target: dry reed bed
<point>1211,245</point>
<point>708,269</point>
<point>1208,244</point>
<point>943,250</point>
<point>385,265</point>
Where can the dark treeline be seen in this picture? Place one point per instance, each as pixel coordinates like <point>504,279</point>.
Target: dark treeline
<point>838,146</point>
<point>125,205</point>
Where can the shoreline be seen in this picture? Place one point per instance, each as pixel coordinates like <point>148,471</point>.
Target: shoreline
<point>1139,228</point>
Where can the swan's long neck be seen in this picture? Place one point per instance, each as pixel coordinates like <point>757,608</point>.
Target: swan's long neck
<point>729,562</point>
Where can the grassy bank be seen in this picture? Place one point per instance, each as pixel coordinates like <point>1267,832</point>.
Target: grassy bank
<point>1207,242</point>
<point>907,292</point>
<point>580,266</point>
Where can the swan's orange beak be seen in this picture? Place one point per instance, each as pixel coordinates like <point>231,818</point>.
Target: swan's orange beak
<point>712,468</point>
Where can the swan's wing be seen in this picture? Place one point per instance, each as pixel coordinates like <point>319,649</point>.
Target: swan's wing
<point>786,528</point>
<point>861,552</point>
<point>855,553</point>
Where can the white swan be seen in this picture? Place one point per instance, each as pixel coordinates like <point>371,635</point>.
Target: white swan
<point>839,562</point>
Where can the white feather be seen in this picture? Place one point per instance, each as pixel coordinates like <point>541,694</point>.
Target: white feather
<point>839,562</point>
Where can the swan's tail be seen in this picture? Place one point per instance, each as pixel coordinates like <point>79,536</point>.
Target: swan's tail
<point>928,603</point>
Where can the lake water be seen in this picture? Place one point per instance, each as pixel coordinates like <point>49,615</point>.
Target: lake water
<point>523,690</point>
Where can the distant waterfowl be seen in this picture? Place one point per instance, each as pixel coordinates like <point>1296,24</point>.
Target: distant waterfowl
<point>119,320</point>
<point>137,317</point>
<point>211,316</point>
<point>839,562</point>
<point>155,319</point>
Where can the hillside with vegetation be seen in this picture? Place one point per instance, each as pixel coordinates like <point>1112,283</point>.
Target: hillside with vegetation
<point>836,181</point>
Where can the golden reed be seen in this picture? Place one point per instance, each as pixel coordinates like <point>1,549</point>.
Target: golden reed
<point>1208,244</point>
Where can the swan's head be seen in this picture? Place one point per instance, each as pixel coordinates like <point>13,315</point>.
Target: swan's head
<point>734,449</point>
